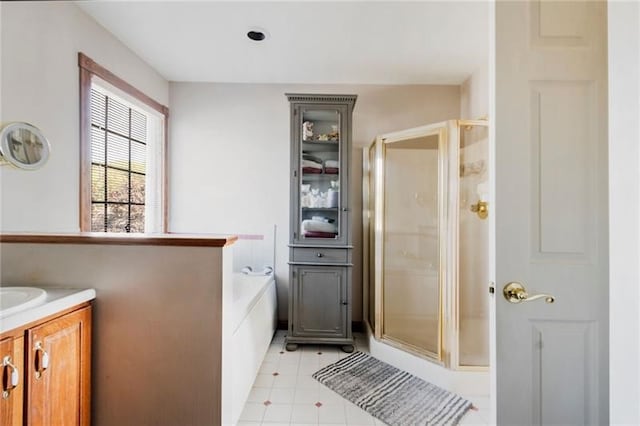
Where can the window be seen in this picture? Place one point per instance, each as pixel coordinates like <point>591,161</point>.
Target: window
<point>118,164</point>
<point>123,135</point>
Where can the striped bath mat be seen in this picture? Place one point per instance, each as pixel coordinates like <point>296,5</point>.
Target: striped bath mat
<point>392,395</point>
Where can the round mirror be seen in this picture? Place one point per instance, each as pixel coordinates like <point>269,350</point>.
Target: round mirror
<point>23,145</point>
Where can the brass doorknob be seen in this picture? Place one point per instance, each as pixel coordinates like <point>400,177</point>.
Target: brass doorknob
<point>515,292</point>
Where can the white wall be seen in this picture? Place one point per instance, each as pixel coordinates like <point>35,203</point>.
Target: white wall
<point>39,84</point>
<point>474,94</point>
<point>624,205</point>
<point>229,156</point>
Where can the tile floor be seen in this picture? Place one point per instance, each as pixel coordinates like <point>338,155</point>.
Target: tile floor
<point>284,392</point>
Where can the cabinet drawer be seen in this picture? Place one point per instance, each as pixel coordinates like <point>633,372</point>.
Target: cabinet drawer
<point>320,255</point>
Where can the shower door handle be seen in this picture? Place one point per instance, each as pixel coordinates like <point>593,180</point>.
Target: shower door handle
<point>515,292</point>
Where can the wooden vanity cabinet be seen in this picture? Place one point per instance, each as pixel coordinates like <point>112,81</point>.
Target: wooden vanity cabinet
<point>58,373</point>
<point>11,400</point>
<point>54,358</point>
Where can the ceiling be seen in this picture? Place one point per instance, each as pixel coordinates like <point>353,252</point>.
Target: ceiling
<point>363,42</point>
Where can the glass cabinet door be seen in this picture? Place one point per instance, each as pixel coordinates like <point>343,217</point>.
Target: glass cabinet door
<point>321,168</point>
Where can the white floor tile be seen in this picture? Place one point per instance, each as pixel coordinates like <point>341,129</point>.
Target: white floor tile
<point>282,395</point>
<point>288,369</point>
<point>253,412</point>
<point>332,413</point>
<point>271,357</point>
<point>329,356</point>
<point>268,368</point>
<point>472,418</point>
<point>481,402</point>
<point>307,382</point>
<point>485,415</point>
<point>278,338</point>
<point>308,369</point>
<point>289,358</point>
<point>284,381</point>
<point>273,351</point>
<point>309,349</point>
<point>248,424</point>
<point>275,348</point>
<point>278,413</point>
<point>258,394</point>
<point>306,396</point>
<point>304,413</point>
<point>264,381</point>
<point>327,396</point>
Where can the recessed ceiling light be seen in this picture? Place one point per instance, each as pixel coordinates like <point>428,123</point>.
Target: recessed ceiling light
<point>257,34</point>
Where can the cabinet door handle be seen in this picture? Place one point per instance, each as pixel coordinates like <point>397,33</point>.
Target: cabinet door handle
<point>11,380</point>
<point>344,302</point>
<point>42,360</point>
<point>319,254</point>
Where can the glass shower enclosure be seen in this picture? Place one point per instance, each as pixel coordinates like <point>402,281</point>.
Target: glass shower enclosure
<point>426,241</point>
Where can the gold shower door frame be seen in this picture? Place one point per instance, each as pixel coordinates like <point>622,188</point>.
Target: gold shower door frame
<point>374,158</point>
<point>382,142</point>
<point>453,301</point>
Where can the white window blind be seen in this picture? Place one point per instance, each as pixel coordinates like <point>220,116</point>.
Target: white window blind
<point>119,164</point>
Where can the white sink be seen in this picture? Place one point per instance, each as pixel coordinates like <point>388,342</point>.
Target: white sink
<point>16,299</point>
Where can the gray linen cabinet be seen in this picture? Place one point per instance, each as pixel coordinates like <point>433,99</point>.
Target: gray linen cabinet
<point>320,235</point>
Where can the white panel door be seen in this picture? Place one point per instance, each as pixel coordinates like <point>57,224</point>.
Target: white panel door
<point>551,217</point>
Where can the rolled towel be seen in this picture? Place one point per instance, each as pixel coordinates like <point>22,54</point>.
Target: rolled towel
<point>311,170</point>
<point>317,234</point>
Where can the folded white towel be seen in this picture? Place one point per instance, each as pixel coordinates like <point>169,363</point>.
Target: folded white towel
<point>311,158</point>
<point>335,164</point>
<point>317,226</point>
<point>321,219</point>
<point>312,164</point>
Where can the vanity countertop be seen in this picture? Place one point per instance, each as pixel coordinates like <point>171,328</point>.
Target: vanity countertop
<point>56,300</point>
<point>170,239</point>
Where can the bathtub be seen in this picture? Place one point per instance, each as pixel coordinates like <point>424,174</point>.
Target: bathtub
<point>253,321</point>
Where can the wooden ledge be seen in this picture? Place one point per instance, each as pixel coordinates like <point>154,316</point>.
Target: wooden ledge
<point>99,238</point>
